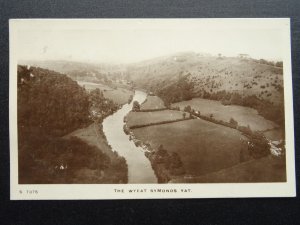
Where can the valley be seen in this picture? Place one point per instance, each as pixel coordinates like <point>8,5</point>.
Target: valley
<point>202,119</point>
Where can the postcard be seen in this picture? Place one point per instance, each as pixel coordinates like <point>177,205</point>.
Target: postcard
<point>150,108</point>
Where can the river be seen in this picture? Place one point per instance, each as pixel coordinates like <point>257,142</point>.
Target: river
<point>139,167</point>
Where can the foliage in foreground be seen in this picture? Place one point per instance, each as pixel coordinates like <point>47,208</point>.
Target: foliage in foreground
<point>166,165</point>
<point>51,105</point>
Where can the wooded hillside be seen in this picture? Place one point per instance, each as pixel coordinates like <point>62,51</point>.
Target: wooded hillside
<point>51,105</point>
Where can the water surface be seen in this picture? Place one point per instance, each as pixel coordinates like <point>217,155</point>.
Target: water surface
<point>139,167</point>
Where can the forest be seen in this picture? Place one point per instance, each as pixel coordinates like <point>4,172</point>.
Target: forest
<point>50,106</point>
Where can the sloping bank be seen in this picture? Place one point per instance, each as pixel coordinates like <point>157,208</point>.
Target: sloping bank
<point>50,106</point>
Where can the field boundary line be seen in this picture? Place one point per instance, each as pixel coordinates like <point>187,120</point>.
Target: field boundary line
<point>158,123</point>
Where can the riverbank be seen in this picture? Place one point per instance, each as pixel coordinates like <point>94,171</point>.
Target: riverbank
<point>190,141</point>
<point>203,146</point>
<point>160,160</point>
<point>166,165</point>
<point>94,136</point>
<point>139,167</point>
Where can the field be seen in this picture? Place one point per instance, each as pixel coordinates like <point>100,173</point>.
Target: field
<point>203,146</point>
<point>243,115</point>
<point>266,169</point>
<point>118,95</point>
<point>153,102</point>
<point>141,118</point>
<point>275,134</point>
<point>91,86</point>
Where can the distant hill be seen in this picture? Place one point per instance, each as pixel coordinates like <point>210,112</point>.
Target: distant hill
<point>182,76</point>
<point>210,74</point>
<point>207,74</point>
<point>79,71</point>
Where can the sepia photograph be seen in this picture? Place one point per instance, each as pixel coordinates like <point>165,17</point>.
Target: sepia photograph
<point>150,108</point>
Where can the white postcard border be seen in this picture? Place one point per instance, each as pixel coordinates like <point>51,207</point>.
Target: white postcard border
<point>151,191</point>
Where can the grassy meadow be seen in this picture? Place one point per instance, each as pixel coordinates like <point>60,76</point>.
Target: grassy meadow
<point>92,86</point>
<point>243,115</point>
<point>266,169</point>
<point>203,146</point>
<point>118,95</point>
<point>275,134</point>
<point>153,102</point>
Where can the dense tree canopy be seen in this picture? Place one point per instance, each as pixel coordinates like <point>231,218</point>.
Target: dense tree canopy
<point>51,105</point>
<point>182,90</point>
<point>53,102</point>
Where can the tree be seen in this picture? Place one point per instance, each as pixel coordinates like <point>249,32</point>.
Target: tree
<point>233,122</point>
<point>130,99</point>
<point>175,160</point>
<point>259,146</point>
<point>136,106</point>
<point>236,99</point>
<point>161,155</point>
<point>167,104</point>
<point>161,151</point>
<point>188,108</point>
<point>246,130</point>
<point>176,166</point>
<point>279,64</point>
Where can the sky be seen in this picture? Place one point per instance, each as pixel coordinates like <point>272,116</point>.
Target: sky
<point>115,43</point>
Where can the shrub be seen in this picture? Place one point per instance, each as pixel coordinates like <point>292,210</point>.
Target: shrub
<point>233,122</point>
<point>258,146</point>
<point>136,106</point>
<point>245,130</point>
<point>188,108</point>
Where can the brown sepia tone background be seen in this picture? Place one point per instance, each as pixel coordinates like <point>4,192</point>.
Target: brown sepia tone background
<point>151,101</point>
<point>215,211</point>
